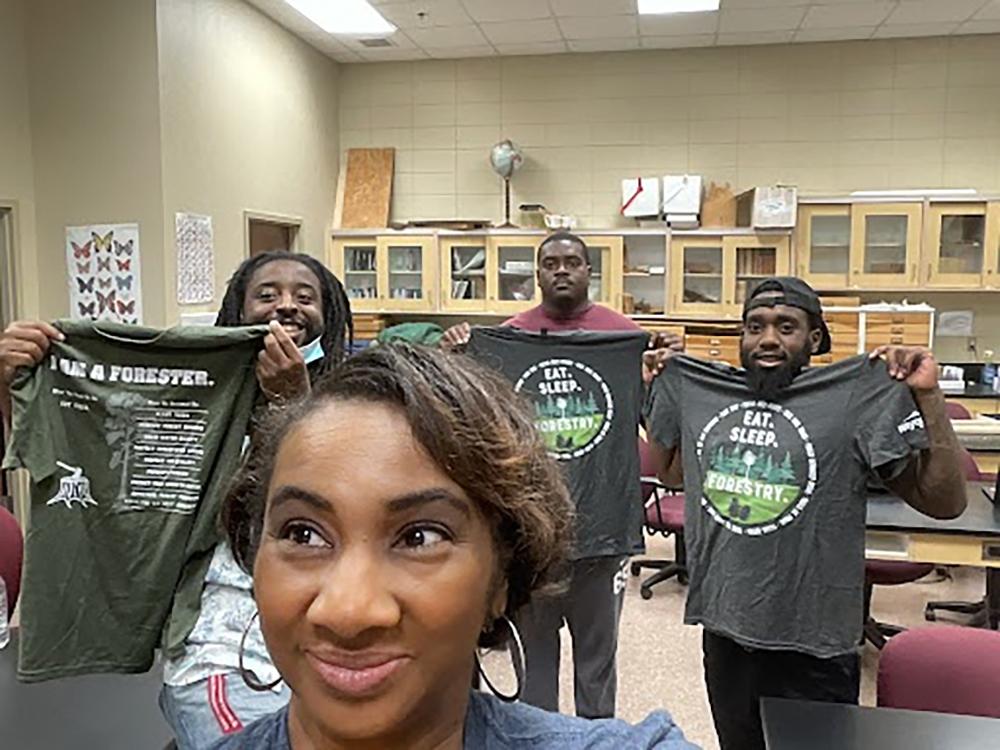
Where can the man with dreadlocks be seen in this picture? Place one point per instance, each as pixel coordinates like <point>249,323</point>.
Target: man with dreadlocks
<point>214,649</point>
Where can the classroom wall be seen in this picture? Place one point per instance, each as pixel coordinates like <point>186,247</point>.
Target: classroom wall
<point>249,121</point>
<point>95,131</point>
<point>828,117</point>
<point>17,174</point>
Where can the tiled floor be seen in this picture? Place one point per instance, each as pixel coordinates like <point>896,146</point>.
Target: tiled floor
<point>659,658</point>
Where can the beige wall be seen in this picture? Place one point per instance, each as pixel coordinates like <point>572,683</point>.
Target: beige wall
<point>249,117</point>
<point>95,134</point>
<point>828,117</point>
<point>17,180</point>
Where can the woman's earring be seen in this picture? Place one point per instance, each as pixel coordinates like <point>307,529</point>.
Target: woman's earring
<point>517,657</point>
<point>249,678</point>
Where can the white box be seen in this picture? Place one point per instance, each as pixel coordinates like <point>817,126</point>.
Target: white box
<point>641,196</point>
<point>682,194</point>
<point>771,207</point>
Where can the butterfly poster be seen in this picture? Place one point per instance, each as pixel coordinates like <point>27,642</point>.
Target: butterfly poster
<point>102,261</point>
<point>195,259</point>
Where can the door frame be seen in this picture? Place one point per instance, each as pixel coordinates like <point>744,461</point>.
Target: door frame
<point>273,218</point>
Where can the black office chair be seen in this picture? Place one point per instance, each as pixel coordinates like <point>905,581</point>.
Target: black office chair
<point>987,610</point>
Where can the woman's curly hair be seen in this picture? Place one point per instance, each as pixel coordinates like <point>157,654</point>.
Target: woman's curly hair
<point>473,425</point>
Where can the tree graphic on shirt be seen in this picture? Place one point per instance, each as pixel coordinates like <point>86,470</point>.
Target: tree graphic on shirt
<point>120,429</point>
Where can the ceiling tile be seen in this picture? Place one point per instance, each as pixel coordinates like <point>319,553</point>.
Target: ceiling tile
<point>887,31</point>
<point>847,15</point>
<point>933,11</point>
<point>603,45</point>
<point>675,24</point>
<point>447,36</point>
<point>756,37</point>
<point>506,10</point>
<point>990,11</point>
<point>979,27</point>
<point>830,35</point>
<point>483,50</point>
<point>677,42</point>
<point>598,27</point>
<point>534,48</point>
<point>438,13</point>
<point>760,19</point>
<point>592,7</point>
<point>522,32</point>
<point>741,4</point>
<point>399,40</point>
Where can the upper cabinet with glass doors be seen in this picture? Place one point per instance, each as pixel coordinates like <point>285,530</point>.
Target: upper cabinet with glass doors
<point>386,272</point>
<point>956,247</point>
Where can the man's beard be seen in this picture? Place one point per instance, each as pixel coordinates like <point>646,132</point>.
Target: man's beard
<point>768,383</point>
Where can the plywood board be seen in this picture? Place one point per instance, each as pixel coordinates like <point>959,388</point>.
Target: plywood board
<point>368,187</point>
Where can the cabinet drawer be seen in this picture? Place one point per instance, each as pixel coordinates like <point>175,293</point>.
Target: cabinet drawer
<point>847,319</point>
<point>712,341</point>
<point>907,338</point>
<point>720,354</point>
<point>833,356</point>
<point>897,318</point>
<point>896,329</point>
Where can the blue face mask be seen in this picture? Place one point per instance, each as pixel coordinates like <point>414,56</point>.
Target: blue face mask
<point>312,351</point>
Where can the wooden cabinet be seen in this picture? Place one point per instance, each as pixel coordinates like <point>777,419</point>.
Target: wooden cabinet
<point>714,347</point>
<point>385,272</point>
<point>715,274</point>
<point>897,329</point>
<point>956,254</point>
<point>885,245</point>
<point>823,246</point>
<point>992,280</point>
<point>605,259</point>
<point>845,337</point>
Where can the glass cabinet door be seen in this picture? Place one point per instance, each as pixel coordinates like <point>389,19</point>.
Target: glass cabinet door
<point>464,263</point>
<point>823,246</point>
<point>957,245</point>
<point>355,261</point>
<point>699,274</point>
<point>644,274</point>
<point>754,259</point>
<point>409,274</point>
<point>514,274</point>
<point>885,244</point>
<point>605,257</point>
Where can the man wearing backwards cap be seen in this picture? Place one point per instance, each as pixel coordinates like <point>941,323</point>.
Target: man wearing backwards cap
<point>774,459</point>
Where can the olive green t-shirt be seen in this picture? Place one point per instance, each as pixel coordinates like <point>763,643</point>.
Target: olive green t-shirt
<point>130,436</point>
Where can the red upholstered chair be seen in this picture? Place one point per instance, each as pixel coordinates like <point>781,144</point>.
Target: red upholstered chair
<point>11,555</point>
<point>664,515</point>
<point>951,670</point>
<point>956,411</point>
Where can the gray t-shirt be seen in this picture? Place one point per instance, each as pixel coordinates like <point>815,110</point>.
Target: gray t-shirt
<point>586,390</point>
<point>775,511</point>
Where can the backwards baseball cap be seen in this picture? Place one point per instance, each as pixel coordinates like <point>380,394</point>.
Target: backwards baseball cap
<point>793,292</point>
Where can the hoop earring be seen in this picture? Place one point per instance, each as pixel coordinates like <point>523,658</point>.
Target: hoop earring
<point>249,678</point>
<point>517,658</point>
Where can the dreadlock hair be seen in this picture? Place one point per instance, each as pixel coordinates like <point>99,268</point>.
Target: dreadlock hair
<point>338,326</point>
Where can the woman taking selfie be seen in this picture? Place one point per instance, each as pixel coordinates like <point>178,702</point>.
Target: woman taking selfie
<point>393,521</point>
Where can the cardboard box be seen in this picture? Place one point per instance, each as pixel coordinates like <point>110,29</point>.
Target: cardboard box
<point>682,194</point>
<point>767,207</point>
<point>718,207</point>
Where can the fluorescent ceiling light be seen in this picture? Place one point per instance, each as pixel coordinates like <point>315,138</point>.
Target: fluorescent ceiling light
<point>343,16</point>
<point>660,7</point>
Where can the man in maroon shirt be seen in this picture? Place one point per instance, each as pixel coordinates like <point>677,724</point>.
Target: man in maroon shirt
<point>591,606</point>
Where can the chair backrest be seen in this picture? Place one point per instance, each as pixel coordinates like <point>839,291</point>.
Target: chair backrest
<point>955,410</point>
<point>949,669</point>
<point>647,468</point>
<point>11,556</point>
<point>970,468</point>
